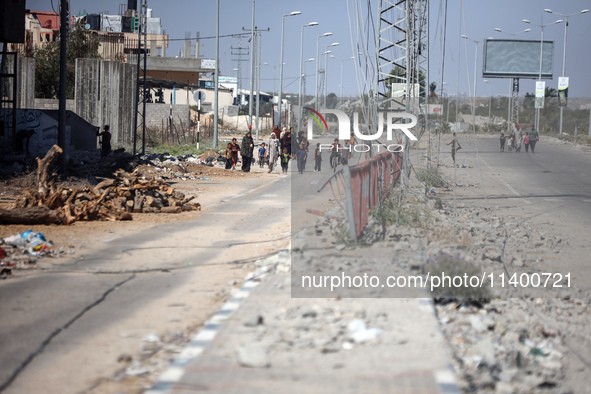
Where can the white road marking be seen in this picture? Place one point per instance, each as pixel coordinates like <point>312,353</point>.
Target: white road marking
<point>511,189</point>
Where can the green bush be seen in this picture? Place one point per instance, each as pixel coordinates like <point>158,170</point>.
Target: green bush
<point>447,265</point>
<point>431,177</point>
<point>392,211</point>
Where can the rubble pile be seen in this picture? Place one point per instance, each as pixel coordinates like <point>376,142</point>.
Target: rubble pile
<point>112,199</point>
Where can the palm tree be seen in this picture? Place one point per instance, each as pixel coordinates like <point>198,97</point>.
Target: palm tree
<point>432,88</point>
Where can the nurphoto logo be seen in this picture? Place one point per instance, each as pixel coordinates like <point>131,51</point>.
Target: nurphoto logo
<point>345,128</point>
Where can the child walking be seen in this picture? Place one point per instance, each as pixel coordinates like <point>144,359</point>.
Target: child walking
<point>317,159</point>
<point>301,155</point>
<point>262,154</point>
<point>285,160</point>
<point>502,142</point>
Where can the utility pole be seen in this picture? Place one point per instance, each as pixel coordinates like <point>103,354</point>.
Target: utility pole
<point>254,66</point>
<point>258,83</point>
<point>252,30</point>
<point>240,51</point>
<point>61,136</point>
<point>216,77</point>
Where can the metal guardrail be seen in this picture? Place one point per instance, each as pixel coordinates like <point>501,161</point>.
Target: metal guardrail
<point>366,185</point>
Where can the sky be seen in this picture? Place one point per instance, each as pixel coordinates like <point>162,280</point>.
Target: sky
<point>478,20</point>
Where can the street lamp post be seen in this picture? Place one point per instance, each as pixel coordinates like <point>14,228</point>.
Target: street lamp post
<point>294,13</point>
<point>300,106</point>
<point>512,80</point>
<point>341,85</point>
<point>304,77</point>
<point>564,51</point>
<point>489,102</point>
<point>537,122</point>
<point>474,93</point>
<point>326,78</point>
<point>327,52</point>
<point>318,66</point>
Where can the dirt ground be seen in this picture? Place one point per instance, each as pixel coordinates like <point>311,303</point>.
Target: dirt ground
<point>102,374</point>
<point>85,235</point>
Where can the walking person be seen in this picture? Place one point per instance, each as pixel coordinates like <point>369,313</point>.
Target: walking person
<point>273,151</point>
<point>286,142</point>
<point>306,148</point>
<point>455,146</point>
<point>533,138</point>
<point>277,132</point>
<point>301,155</point>
<point>519,140</point>
<point>526,141</point>
<point>228,156</point>
<point>502,139</point>
<point>262,155</point>
<point>247,151</point>
<point>285,156</point>
<point>317,158</point>
<point>235,150</point>
<point>105,140</point>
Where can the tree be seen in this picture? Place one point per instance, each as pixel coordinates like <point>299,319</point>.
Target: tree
<point>398,75</point>
<point>331,100</point>
<point>432,89</point>
<point>81,44</point>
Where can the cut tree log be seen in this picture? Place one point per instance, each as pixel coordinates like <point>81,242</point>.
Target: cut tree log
<point>43,170</point>
<point>31,215</point>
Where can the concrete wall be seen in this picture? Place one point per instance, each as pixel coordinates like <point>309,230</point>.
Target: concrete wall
<point>86,91</point>
<point>105,94</point>
<point>45,126</point>
<point>53,104</point>
<point>117,100</point>
<point>25,95</point>
<point>157,115</point>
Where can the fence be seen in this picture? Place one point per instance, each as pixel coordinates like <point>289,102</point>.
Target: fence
<point>366,186</point>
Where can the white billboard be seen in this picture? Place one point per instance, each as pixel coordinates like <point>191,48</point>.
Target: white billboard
<point>517,58</point>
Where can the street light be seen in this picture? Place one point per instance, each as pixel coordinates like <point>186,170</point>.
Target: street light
<point>294,13</point>
<point>318,66</point>
<point>489,101</point>
<point>334,44</point>
<point>304,78</point>
<point>474,99</point>
<point>326,78</point>
<point>564,51</point>
<point>537,125</point>
<point>511,34</point>
<point>341,85</point>
<point>300,111</point>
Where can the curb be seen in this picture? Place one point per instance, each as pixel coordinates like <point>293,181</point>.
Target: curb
<point>176,370</point>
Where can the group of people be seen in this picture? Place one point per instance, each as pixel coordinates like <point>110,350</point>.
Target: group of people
<point>516,139</point>
<point>281,147</point>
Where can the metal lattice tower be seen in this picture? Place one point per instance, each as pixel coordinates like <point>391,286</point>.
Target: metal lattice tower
<point>402,44</point>
<point>515,102</point>
<point>141,88</point>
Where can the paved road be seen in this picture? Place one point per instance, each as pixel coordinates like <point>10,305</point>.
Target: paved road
<point>550,188</point>
<point>49,315</point>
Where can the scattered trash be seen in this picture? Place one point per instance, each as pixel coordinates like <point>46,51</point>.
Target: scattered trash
<point>360,333</point>
<point>19,251</point>
<point>253,355</point>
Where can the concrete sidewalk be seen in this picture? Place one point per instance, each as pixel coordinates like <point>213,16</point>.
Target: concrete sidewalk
<point>303,345</point>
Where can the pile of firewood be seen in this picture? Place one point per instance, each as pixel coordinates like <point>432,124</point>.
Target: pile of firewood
<point>112,199</point>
